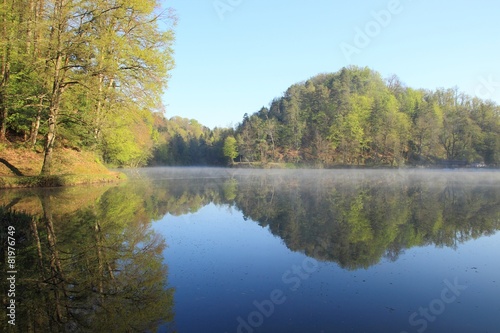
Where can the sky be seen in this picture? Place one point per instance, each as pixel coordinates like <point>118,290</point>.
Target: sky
<point>235,56</point>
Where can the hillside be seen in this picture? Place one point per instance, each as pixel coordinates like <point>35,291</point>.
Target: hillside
<point>20,167</point>
<point>352,117</point>
<point>91,83</point>
<point>355,118</point>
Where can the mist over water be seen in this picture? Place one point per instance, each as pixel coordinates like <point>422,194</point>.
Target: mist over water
<point>385,243</point>
<point>466,176</point>
<point>332,250</point>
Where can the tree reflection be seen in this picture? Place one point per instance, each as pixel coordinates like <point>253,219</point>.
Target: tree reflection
<point>95,269</point>
<point>90,262</point>
<point>356,222</point>
<point>350,217</point>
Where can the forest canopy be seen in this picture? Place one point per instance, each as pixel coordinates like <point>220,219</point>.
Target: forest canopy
<point>89,75</point>
<point>84,74</point>
<point>355,117</point>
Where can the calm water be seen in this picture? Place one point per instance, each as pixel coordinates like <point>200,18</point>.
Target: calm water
<point>219,250</point>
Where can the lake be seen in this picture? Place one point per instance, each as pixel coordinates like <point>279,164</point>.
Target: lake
<point>231,250</point>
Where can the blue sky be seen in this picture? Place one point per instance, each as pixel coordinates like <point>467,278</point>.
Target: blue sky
<point>234,56</point>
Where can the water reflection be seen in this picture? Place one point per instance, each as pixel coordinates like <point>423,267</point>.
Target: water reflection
<point>352,218</point>
<point>357,222</point>
<point>87,261</point>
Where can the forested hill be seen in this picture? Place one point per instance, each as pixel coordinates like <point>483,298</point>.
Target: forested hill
<point>89,75</point>
<point>354,117</point>
<point>83,75</point>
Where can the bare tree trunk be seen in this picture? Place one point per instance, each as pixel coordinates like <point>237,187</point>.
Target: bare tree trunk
<point>35,125</point>
<point>37,8</point>
<point>29,26</point>
<point>4,111</point>
<point>57,88</point>
<point>98,110</point>
<point>37,34</point>
<point>50,139</point>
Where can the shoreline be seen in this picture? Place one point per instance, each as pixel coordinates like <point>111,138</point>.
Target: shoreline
<point>20,168</point>
<point>280,165</point>
<point>12,182</point>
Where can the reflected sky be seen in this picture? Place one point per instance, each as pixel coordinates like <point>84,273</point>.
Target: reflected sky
<point>220,265</point>
<point>222,262</point>
<point>270,251</point>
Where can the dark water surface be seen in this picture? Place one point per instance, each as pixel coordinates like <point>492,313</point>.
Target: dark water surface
<point>224,250</point>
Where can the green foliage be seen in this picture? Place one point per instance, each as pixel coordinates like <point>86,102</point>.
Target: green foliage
<point>77,80</point>
<point>356,219</point>
<point>129,142</point>
<point>182,141</point>
<point>230,148</point>
<point>354,117</point>
<point>94,268</point>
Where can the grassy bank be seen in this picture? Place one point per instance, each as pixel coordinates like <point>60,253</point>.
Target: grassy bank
<point>20,167</point>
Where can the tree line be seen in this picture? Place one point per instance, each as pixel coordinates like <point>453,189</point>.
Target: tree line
<point>354,117</point>
<point>84,74</point>
<point>183,141</point>
<point>350,118</point>
<point>90,75</point>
